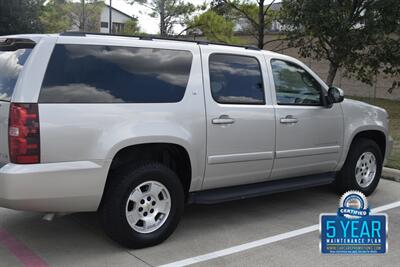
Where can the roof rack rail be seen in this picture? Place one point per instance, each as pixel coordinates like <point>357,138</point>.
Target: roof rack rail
<point>202,42</point>
<point>250,47</point>
<point>148,38</point>
<point>155,37</point>
<point>73,34</point>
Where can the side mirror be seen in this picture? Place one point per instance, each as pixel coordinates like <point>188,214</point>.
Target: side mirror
<point>335,95</point>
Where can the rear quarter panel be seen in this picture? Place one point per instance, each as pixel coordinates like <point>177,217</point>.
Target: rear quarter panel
<point>27,86</point>
<point>96,132</point>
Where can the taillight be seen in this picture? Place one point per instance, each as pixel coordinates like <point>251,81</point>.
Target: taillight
<point>23,133</point>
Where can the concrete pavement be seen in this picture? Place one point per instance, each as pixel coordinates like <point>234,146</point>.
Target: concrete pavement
<point>78,240</point>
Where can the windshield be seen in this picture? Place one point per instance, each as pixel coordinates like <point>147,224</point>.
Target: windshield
<point>11,64</point>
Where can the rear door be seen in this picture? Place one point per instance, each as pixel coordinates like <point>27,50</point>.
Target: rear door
<point>240,117</point>
<point>13,56</point>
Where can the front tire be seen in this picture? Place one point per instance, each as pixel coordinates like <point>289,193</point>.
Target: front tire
<point>362,169</point>
<point>142,205</point>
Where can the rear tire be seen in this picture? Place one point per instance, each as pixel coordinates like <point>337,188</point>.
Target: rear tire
<point>142,205</point>
<point>362,169</point>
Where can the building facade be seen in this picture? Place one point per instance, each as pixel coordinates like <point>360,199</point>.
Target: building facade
<point>119,18</point>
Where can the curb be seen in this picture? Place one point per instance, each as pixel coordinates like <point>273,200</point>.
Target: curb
<point>391,174</point>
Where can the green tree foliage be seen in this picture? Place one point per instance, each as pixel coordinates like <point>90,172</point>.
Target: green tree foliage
<point>361,36</point>
<point>20,16</point>
<point>85,15</point>
<point>62,15</point>
<point>131,27</point>
<point>223,9</point>
<point>55,16</point>
<point>214,27</point>
<point>256,14</point>
<point>169,12</point>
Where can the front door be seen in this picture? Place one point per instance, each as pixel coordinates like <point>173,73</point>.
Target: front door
<point>308,134</point>
<point>240,118</point>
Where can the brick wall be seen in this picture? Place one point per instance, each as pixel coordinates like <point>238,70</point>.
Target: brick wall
<point>350,86</point>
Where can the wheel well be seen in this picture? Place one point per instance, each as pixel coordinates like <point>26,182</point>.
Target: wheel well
<point>377,136</point>
<point>171,155</point>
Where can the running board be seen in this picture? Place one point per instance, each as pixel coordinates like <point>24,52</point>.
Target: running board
<point>224,194</point>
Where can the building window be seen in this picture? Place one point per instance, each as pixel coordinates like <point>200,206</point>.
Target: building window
<point>118,27</point>
<point>104,24</point>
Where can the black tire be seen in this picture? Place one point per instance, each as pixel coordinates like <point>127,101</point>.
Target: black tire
<point>112,210</point>
<point>346,178</point>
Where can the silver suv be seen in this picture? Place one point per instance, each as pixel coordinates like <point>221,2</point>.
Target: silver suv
<point>134,128</point>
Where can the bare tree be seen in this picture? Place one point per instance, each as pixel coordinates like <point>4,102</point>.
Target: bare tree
<point>169,12</point>
<point>257,15</point>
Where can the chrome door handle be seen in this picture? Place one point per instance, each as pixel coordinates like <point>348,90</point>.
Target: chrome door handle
<point>223,119</point>
<point>289,119</point>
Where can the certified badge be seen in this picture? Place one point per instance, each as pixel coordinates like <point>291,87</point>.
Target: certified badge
<point>353,205</point>
<point>353,230</point>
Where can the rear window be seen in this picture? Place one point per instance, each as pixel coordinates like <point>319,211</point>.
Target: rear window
<point>112,74</point>
<point>11,64</point>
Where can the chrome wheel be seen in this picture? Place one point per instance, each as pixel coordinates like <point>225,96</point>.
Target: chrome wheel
<point>366,169</point>
<point>148,207</point>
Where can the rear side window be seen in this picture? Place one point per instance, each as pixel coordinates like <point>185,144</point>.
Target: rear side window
<point>236,79</point>
<point>11,64</point>
<point>112,74</point>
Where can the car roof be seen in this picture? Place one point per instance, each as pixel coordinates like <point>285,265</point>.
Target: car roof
<point>105,36</point>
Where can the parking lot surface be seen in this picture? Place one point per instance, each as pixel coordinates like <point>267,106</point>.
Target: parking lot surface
<point>78,240</point>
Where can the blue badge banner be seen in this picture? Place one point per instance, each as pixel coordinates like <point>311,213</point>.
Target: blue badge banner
<point>352,212</point>
<point>364,235</point>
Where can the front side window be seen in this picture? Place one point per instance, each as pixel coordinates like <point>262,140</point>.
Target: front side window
<point>113,74</point>
<point>236,79</point>
<point>294,85</point>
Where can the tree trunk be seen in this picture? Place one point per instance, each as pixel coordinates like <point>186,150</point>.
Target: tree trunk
<point>163,30</point>
<point>331,73</point>
<point>261,26</point>
<point>82,23</point>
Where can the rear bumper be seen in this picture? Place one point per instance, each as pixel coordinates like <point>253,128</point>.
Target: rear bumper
<point>52,187</point>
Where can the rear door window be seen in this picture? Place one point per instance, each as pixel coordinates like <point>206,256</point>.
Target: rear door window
<point>236,79</point>
<point>11,64</point>
<point>113,74</point>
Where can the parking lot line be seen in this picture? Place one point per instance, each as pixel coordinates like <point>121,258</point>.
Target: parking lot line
<point>24,254</point>
<point>262,242</point>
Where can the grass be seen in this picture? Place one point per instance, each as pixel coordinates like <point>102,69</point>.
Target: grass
<point>393,108</point>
